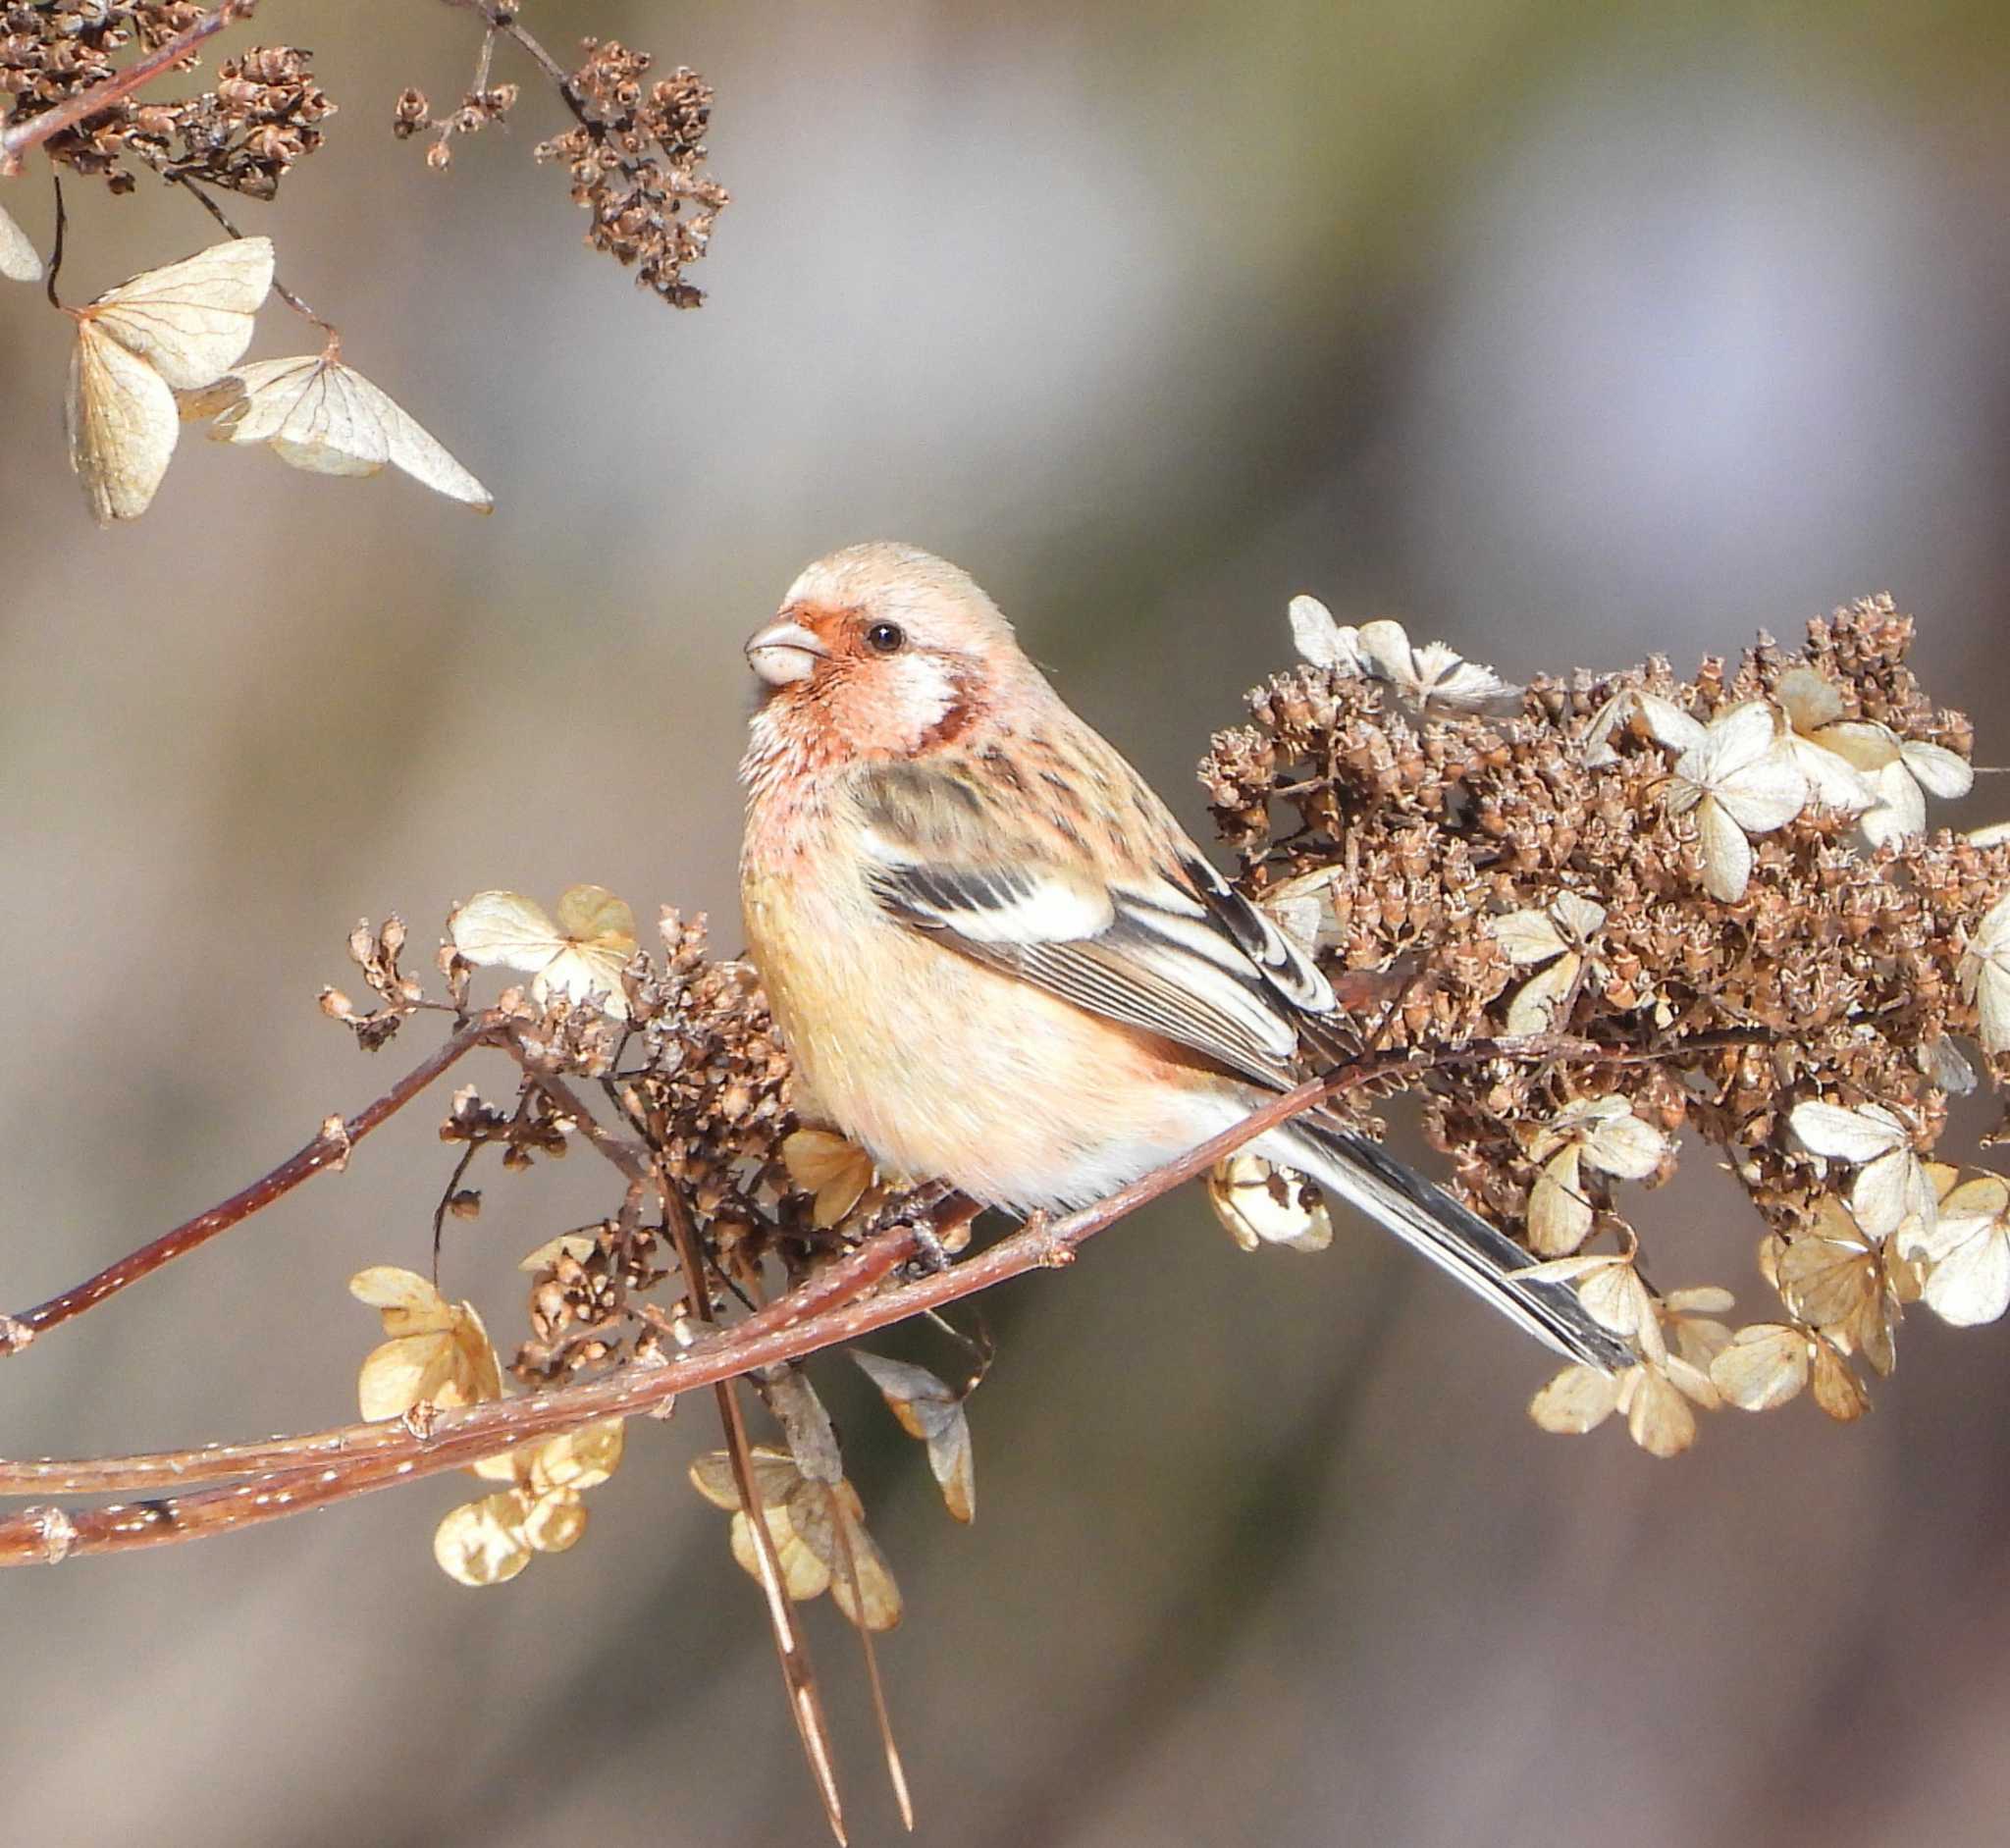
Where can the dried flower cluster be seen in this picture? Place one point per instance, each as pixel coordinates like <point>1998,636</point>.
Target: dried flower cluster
<point>243,135</point>
<point>637,162</point>
<point>1729,882</point>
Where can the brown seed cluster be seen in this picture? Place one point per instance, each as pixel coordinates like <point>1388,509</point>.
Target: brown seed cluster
<point>244,136</point>
<point>637,164</point>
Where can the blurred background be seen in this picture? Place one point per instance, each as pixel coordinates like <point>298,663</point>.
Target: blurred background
<point>1564,332</point>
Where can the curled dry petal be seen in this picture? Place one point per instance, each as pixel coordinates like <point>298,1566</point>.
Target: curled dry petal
<point>1259,1204</point>
<point>929,1410</point>
<point>1740,782</point>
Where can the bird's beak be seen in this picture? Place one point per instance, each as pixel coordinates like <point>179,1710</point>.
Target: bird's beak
<point>784,652</point>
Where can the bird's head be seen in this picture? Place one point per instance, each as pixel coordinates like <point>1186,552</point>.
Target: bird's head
<point>883,650</point>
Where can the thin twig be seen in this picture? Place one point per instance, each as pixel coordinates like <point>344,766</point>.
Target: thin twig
<point>279,288</point>
<point>27,135</point>
<point>329,1149</point>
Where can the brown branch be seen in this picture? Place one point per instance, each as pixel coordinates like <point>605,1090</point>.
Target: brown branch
<point>833,1306</point>
<point>23,137</point>
<point>329,1149</point>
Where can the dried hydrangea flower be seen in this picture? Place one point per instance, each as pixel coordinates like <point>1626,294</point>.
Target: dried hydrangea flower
<point>1601,1132</point>
<point>438,1353</point>
<point>578,954</point>
<point>819,1529</point>
<point>1967,1253</point>
<point>167,330</point>
<point>1740,780</point>
<point>487,1542</point>
<point>1557,942</point>
<point>1891,1184</point>
<point>1833,1276</point>
<point>1259,1204</point>
<point>1768,1364</point>
<point>317,414</point>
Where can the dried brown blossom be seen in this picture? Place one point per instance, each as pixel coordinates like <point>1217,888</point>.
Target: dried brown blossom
<point>243,135</point>
<point>637,164</point>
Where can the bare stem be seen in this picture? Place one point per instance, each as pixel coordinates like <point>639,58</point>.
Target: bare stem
<point>329,1149</point>
<point>22,137</point>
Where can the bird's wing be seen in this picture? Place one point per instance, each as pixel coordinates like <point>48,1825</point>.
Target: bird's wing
<point>1166,947</point>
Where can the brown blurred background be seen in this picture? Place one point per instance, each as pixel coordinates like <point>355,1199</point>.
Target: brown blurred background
<point>1564,330</point>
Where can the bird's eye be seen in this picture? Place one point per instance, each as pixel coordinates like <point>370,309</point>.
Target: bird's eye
<point>886,638</point>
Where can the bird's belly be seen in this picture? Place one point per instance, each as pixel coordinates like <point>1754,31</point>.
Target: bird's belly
<point>943,1068</point>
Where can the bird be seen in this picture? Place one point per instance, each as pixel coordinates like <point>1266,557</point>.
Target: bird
<point>998,960</point>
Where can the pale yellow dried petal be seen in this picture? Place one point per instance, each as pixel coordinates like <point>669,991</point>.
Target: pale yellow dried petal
<point>20,261</point>
<point>832,1168</point>
<point>573,1244</point>
<point>505,930</point>
<point>400,1373</point>
<point>1837,1390</point>
<point>410,1304</point>
<point>1536,1002</point>
<point>592,914</point>
<point>190,320</point>
<point>1658,1416</point>
<point>1577,1399</point>
<point>320,415</point>
<point>578,1460</point>
<point>1809,698</point>
<point>1560,1217</point>
<point>1936,769</point>
<point>122,423</point>
<point>803,1573</point>
<point>482,1542</point>
<point>554,1521</point>
<point>1765,1365</point>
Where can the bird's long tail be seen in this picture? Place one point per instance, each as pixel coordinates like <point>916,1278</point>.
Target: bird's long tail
<point>1481,1256</point>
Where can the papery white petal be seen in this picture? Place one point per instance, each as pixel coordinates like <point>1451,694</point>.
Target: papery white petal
<point>1971,1285</point>
<point>1901,810</point>
<point>20,261</point>
<point>1832,781</point>
<point>1576,1400</point>
<point>1727,853</point>
<point>190,320</point>
<point>1385,650</point>
<point>1763,794</point>
<point>1526,937</point>
<point>1581,916</point>
<point>1996,834</point>
<point>122,423</point>
<point>1533,1009</point>
<point>1626,1146</point>
<point>1322,641</point>
<point>1853,1135</point>
<point>1809,698</point>
<point>1936,769</point>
